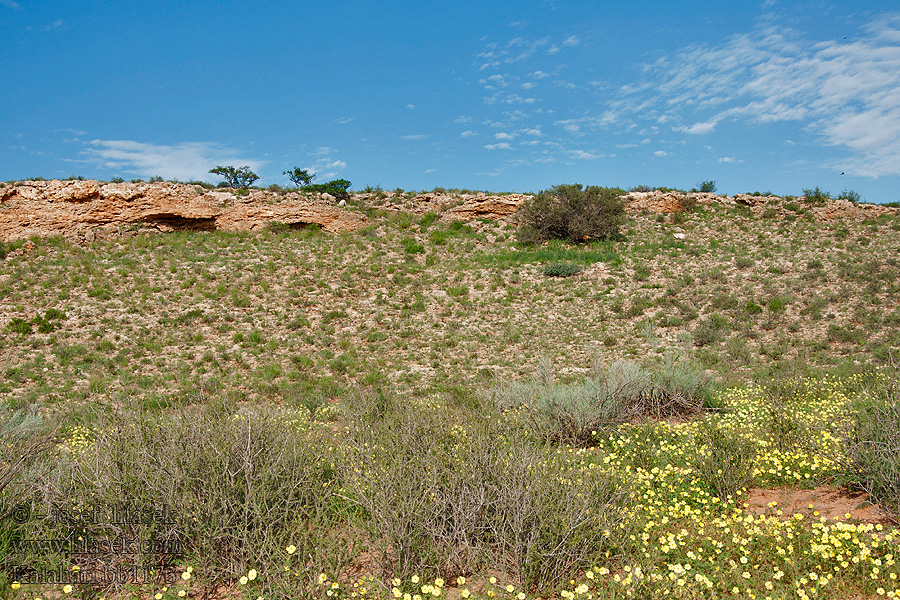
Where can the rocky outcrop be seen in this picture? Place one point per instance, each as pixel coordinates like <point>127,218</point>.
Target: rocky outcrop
<point>484,207</point>
<point>47,208</point>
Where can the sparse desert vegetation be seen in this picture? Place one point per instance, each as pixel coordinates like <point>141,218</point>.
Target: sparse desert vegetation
<point>429,407</point>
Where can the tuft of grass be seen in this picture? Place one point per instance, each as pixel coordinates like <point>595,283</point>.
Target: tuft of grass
<point>562,270</point>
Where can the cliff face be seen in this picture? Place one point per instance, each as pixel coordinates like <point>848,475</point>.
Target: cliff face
<point>76,208</point>
<point>45,208</point>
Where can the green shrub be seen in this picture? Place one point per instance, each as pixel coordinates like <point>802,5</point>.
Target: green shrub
<point>816,196</point>
<point>237,488</point>
<point>239,178</point>
<point>428,219</point>
<point>873,445</point>
<point>708,187</point>
<point>337,188</point>
<point>753,308</point>
<point>441,498</point>
<point>724,458</point>
<point>571,212</point>
<point>562,270</point>
<point>300,177</point>
<point>410,246</point>
<point>577,413</point>
<point>687,203</point>
<point>710,330</point>
<point>849,195</point>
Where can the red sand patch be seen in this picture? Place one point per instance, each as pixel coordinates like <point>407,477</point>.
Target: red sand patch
<point>830,503</point>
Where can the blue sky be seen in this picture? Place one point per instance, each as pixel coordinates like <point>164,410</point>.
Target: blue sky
<point>763,95</point>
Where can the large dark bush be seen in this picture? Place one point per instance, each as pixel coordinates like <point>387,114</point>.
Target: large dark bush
<point>572,212</point>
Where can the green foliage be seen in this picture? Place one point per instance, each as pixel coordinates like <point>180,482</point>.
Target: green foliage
<point>238,178</point>
<point>688,203</point>
<point>300,177</point>
<point>710,330</point>
<point>45,324</point>
<point>237,488</point>
<point>724,458</point>
<point>337,188</point>
<point>708,187</point>
<point>581,412</point>
<point>873,444</point>
<point>572,212</point>
<point>485,500</point>
<point>428,219</point>
<point>753,308</point>
<point>410,246</point>
<point>562,269</point>
<point>816,196</point>
<point>849,195</point>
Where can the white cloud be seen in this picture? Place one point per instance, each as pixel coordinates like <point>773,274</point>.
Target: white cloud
<point>504,136</point>
<point>697,128</point>
<point>528,85</point>
<point>844,92</point>
<point>660,153</point>
<point>582,155</point>
<point>539,75</point>
<point>10,4</point>
<point>572,41</point>
<point>467,133</point>
<point>427,171</point>
<point>729,160</point>
<point>500,146</point>
<point>410,106</point>
<point>344,120</point>
<point>415,137</point>
<point>187,160</point>
<point>533,131</point>
<point>462,119</point>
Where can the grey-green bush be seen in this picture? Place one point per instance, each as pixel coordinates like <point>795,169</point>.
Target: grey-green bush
<point>571,212</point>
<point>873,445</point>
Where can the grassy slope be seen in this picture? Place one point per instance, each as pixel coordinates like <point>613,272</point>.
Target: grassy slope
<point>300,317</point>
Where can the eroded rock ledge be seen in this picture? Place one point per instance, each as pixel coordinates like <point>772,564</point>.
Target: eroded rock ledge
<point>46,208</point>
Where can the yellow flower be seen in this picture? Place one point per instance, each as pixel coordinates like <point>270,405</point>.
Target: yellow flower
<point>460,580</point>
<point>291,549</point>
<point>243,580</point>
<point>464,594</point>
<point>181,593</point>
<point>67,589</point>
<point>251,574</point>
<point>186,575</point>
<point>414,579</point>
<point>322,578</point>
<point>520,596</point>
<point>15,585</point>
<point>158,596</point>
<point>510,588</point>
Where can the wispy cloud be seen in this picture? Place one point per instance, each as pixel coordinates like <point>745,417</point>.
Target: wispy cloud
<point>500,146</point>
<point>187,160</point>
<point>10,4</point>
<point>415,137</point>
<point>467,133</point>
<point>843,92</point>
<point>344,120</point>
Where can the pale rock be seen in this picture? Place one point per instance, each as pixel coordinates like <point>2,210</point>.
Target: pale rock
<point>68,208</point>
